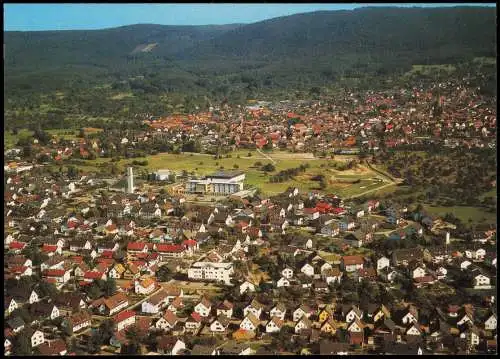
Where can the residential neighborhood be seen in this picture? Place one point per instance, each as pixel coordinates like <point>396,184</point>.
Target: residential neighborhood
<point>191,281</point>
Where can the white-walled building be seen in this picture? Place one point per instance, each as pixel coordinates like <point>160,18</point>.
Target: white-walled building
<point>221,183</point>
<point>220,272</point>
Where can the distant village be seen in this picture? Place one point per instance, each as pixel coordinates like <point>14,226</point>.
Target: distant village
<point>450,114</point>
<point>97,267</point>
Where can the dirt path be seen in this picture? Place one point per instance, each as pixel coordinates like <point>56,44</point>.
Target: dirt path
<point>266,156</point>
<point>372,190</point>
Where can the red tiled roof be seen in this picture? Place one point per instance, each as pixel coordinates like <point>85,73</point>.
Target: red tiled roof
<point>349,260</point>
<point>136,246</point>
<point>120,317</point>
<point>54,272</point>
<point>169,248</point>
<point>19,269</point>
<point>190,243</point>
<point>93,275</point>
<point>17,245</point>
<point>107,254</point>
<point>49,248</point>
<point>196,316</point>
<point>106,261</point>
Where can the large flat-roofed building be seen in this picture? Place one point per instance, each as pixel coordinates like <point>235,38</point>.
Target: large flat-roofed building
<point>220,272</point>
<point>219,183</point>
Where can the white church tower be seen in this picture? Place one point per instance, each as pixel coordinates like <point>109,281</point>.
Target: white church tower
<point>130,180</point>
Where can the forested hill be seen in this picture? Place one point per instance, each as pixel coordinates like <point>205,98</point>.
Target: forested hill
<point>312,48</point>
<point>414,33</point>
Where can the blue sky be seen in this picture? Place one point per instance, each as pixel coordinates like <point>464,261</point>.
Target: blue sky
<point>37,17</point>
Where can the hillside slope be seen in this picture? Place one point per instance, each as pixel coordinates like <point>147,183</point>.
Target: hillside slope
<point>311,48</point>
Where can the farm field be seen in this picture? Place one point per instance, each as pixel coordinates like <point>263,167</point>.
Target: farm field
<point>476,214</point>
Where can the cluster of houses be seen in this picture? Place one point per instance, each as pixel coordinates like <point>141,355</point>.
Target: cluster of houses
<point>75,234</point>
<point>467,119</point>
<point>340,125</point>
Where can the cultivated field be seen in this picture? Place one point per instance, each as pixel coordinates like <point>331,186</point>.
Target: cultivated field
<point>476,214</point>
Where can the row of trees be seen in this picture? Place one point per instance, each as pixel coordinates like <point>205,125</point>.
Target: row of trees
<point>288,174</point>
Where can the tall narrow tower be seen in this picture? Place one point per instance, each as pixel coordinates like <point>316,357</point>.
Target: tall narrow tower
<point>130,180</point>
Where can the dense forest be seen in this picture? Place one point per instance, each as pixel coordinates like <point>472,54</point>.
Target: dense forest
<point>56,76</point>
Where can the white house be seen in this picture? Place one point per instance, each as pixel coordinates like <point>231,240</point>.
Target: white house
<point>220,324</point>
<point>124,319</point>
<point>145,287</point>
<point>225,308</point>
<point>247,286</point>
<point>274,325</point>
<point>303,323</point>
<point>223,183</point>
<point>250,322</point>
<point>307,269</point>
<point>255,308</point>
<point>220,272</point>
<point>13,305</point>
<point>300,312</point>
<point>36,337</point>
<point>7,345</point>
<point>167,321</point>
<point>203,308</point>
<point>409,317</point>
<point>413,330</point>
<point>279,311</point>
<point>287,273</point>
<point>382,263</point>
<point>418,272</point>
<point>441,273</point>
<point>491,322</point>
<point>481,282</point>
<point>154,304</point>
<point>282,282</point>
<point>465,264</point>
<point>479,254</point>
<point>352,263</point>
<point>355,327</point>
<point>353,314</point>
<point>78,321</point>
<point>171,350</point>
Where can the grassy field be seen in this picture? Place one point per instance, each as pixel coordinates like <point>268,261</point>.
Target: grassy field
<point>122,95</point>
<point>476,214</point>
<point>203,164</point>
<point>338,182</point>
<point>67,134</point>
<point>429,69</point>
<point>490,193</point>
<point>10,140</point>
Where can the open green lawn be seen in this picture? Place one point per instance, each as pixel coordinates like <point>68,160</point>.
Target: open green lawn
<point>476,214</point>
<point>202,164</point>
